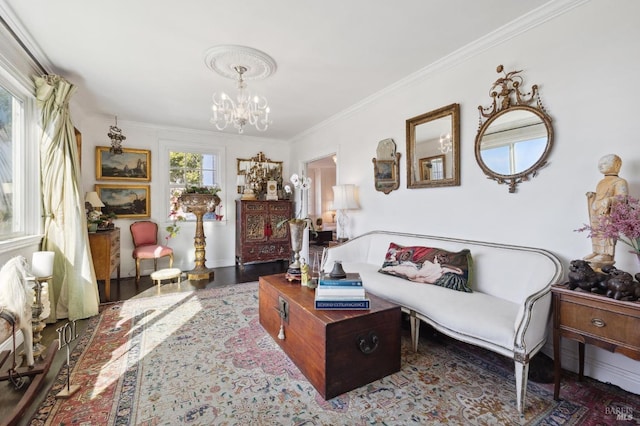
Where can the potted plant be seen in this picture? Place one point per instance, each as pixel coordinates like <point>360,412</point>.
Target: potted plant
<point>93,220</point>
<point>199,200</point>
<point>194,195</point>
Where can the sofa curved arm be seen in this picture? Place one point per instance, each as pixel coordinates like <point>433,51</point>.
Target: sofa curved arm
<point>533,316</point>
<point>531,324</point>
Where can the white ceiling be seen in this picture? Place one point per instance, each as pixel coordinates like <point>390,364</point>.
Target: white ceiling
<point>143,60</point>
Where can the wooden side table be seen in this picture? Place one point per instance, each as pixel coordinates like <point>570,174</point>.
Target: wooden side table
<point>594,319</point>
<point>105,251</point>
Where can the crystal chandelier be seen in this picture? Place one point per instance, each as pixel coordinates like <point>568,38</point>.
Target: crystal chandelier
<point>445,143</point>
<point>245,110</point>
<point>240,63</point>
<point>116,136</point>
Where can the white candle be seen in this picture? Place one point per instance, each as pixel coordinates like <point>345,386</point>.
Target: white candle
<point>42,263</point>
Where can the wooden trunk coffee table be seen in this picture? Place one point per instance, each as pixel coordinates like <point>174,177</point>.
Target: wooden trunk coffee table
<point>336,350</point>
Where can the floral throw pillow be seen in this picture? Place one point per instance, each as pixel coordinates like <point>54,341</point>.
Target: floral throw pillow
<point>429,265</point>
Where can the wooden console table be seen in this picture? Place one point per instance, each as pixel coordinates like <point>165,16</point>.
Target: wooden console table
<point>595,319</point>
<point>105,251</point>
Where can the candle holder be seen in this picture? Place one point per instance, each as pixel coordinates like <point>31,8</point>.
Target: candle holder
<point>42,270</point>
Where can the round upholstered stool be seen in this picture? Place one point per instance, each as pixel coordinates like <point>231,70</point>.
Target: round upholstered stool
<point>166,274</point>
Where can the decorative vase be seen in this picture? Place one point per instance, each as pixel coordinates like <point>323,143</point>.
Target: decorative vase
<point>199,204</point>
<point>296,230</point>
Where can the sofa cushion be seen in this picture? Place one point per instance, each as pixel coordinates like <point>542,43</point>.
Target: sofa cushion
<point>429,265</point>
<point>492,321</point>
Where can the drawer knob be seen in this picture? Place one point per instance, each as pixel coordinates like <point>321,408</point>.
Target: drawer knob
<point>598,322</point>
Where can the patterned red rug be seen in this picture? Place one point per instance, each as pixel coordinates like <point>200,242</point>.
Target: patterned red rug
<point>201,358</point>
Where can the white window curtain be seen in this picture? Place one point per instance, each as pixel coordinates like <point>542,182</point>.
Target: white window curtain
<point>74,292</point>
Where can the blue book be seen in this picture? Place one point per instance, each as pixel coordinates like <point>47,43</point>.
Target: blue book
<point>342,304</point>
<point>352,279</point>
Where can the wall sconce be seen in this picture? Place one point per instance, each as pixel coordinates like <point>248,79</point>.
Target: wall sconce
<point>344,198</point>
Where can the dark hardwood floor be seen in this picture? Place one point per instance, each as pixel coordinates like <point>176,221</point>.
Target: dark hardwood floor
<point>222,276</point>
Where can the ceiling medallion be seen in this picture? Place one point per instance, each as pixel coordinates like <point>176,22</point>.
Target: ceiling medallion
<point>241,63</point>
<point>224,59</point>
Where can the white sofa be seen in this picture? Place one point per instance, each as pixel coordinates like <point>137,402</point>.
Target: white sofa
<point>507,312</point>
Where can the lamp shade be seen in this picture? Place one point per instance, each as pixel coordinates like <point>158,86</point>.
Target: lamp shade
<point>92,197</point>
<point>344,197</point>
<point>42,263</point>
<point>240,180</point>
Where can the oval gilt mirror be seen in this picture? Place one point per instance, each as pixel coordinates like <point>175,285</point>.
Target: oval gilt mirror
<point>514,141</point>
<point>433,148</point>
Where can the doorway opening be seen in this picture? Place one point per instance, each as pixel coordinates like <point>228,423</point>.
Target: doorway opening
<point>322,172</point>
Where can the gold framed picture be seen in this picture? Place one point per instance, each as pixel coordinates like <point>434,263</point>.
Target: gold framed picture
<point>432,168</point>
<point>132,164</point>
<point>125,201</point>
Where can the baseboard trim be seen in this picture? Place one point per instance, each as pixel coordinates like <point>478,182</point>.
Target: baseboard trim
<point>600,365</point>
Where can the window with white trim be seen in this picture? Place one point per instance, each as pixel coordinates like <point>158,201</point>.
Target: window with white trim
<point>12,141</point>
<point>189,168</point>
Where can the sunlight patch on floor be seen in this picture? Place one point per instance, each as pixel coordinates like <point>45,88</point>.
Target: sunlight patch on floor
<point>156,328</point>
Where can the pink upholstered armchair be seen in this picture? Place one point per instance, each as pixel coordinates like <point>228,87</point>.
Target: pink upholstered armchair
<point>145,242</point>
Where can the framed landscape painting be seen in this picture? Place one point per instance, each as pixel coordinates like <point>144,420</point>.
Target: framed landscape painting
<point>132,164</point>
<point>125,201</point>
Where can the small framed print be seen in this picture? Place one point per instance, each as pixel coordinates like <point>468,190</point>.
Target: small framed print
<point>125,201</point>
<point>432,168</point>
<point>132,164</point>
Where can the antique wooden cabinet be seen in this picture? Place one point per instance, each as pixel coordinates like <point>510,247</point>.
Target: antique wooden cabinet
<point>105,251</point>
<point>258,239</point>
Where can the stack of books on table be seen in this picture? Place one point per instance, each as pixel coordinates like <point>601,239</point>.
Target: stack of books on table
<point>341,293</point>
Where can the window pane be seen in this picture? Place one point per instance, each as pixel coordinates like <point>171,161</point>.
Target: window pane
<point>176,177</point>
<point>10,111</point>
<point>528,152</point>
<point>497,159</point>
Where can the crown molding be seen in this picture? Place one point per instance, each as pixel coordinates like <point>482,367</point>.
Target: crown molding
<point>24,37</point>
<point>522,24</point>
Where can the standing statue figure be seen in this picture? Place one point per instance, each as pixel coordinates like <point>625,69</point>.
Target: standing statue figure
<point>599,204</point>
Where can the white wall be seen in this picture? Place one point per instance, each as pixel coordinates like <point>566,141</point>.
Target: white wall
<point>586,66</point>
<point>220,236</point>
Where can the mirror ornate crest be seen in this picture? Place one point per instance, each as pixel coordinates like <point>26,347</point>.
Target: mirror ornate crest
<point>386,166</point>
<point>255,172</point>
<point>433,148</point>
<point>514,141</point>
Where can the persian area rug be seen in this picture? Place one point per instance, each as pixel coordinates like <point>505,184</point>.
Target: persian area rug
<point>202,358</point>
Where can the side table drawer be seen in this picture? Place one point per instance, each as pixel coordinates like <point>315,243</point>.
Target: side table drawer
<point>601,323</point>
<point>115,242</point>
